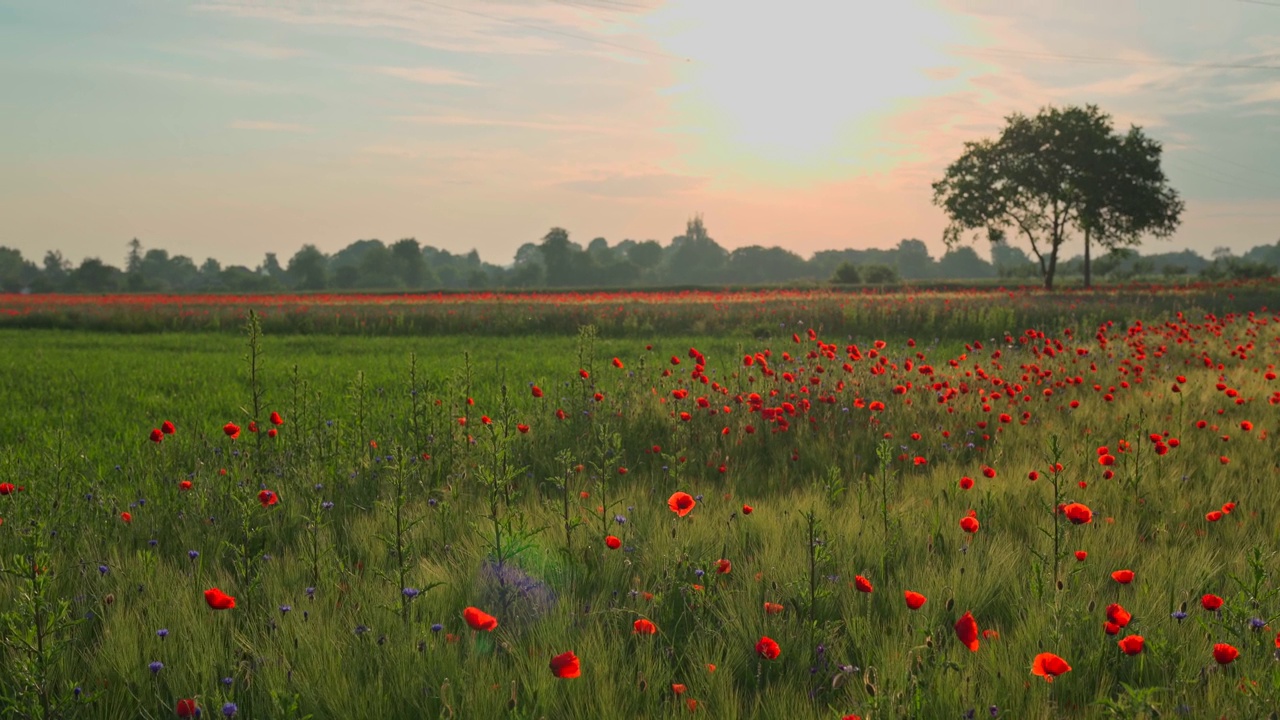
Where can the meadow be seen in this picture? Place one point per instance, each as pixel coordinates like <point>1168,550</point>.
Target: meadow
<point>997,504</point>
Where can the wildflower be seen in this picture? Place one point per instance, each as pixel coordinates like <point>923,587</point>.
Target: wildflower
<point>1124,577</point>
<point>162,633</point>
<point>411,593</point>
<point>1049,666</point>
<point>233,431</point>
<point>723,566</point>
<point>479,620</point>
<point>184,485</point>
<point>969,524</point>
<point>229,709</point>
<point>156,667</point>
<point>772,608</point>
<point>276,419</point>
<point>193,554</point>
<point>747,509</point>
<point>156,435</point>
<point>167,428</point>
<point>1213,515</point>
<point>966,483</point>
<point>1225,654</point>
<point>1131,645</point>
<point>126,517</point>
<point>1211,602</point>
<point>681,503</point>
<point>537,391</point>
<point>186,708</point>
<point>862,584</point>
<point>612,542</point>
<point>219,600</point>
<point>565,666</point>
<point>914,599</point>
<point>1078,513</point>
<point>1117,615</point>
<point>767,648</point>
<point>1081,555</point>
<point>644,627</point>
<point>267,498</point>
<point>967,631</point>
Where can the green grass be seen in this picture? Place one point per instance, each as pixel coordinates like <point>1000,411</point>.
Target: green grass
<point>76,409</point>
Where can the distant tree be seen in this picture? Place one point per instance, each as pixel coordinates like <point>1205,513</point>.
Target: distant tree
<point>377,268</point>
<point>877,274</point>
<point>308,269</point>
<point>755,264</point>
<point>16,272</point>
<point>95,276</point>
<point>134,279</point>
<point>410,265</point>
<point>646,255</point>
<point>914,261</point>
<point>846,274</point>
<point>558,255</point>
<point>1043,176</point>
<point>962,262</point>
<point>270,267</point>
<point>694,258</point>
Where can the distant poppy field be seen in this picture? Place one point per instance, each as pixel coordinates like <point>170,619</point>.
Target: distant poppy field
<point>979,506</point>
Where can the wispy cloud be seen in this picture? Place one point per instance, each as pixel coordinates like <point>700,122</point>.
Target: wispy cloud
<point>427,75</point>
<point>635,187</point>
<point>550,125</point>
<point>269,126</point>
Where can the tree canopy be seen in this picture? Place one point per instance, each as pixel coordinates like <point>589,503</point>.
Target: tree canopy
<point>1062,170</point>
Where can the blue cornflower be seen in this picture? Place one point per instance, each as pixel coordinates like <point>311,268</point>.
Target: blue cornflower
<point>103,569</point>
<point>436,627</point>
<point>156,667</point>
<point>1178,615</point>
<point>162,633</point>
<point>285,608</point>
<point>410,593</point>
<point>193,554</point>
<point>229,709</point>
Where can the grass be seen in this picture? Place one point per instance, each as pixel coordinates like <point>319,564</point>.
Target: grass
<point>515,523</point>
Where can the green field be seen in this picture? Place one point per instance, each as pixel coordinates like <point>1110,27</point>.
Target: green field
<point>388,479</point>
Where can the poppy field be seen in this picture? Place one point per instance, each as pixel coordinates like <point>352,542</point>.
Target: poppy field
<point>786,517</point>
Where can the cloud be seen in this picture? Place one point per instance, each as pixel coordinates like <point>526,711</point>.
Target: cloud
<point>427,75</point>
<point>549,125</point>
<point>269,126</point>
<point>645,186</point>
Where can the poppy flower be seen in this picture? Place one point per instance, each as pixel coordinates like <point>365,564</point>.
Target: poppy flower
<point>126,517</point>
<point>1049,666</point>
<point>253,426</point>
<point>1131,645</point>
<point>612,542</point>
<point>522,428</point>
<point>747,509</point>
<point>565,666</point>
<point>185,708</point>
<point>537,391</point>
<point>914,599</point>
<point>644,627</point>
<point>772,608</point>
<point>767,648</point>
<point>1117,615</point>
<point>1225,654</point>
<point>969,524</point>
<point>681,503</point>
<point>678,688</point>
<point>267,498</point>
<point>479,619</point>
<point>167,428</point>
<point>988,472</point>
<point>6,488</point>
<point>272,432</point>
<point>1228,507</point>
<point>1078,513</point>
<point>219,600</point>
<point>232,430</point>
<point>723,566</point>
<point>967,631</point>
<point>966,483</point>
<point>617,363</point>
<point>184,485</point>
<point>1211,602</point>
<point>156,435</point>
<point>862,584</point>
<point>1081,555</point>
<point>1111,628</point>
<point>1124,577</point>
<point>276,419</point>
<point>1213,515</point>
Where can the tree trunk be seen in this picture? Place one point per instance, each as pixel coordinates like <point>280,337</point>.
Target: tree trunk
<point>1088,278</point>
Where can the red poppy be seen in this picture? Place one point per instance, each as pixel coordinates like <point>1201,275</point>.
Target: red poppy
<point>988,472</point>
<point>1078,513</point>
<point>156,435</point>
<point>185,708</point>
<point>6,488</point>
<point>678,688</point>
<point>253,426</point>
<point>767,648</point>
<point>537,391</point>
<point>522,427</point>
<point>1225,654</point>
<point>1081,555</point>
<point>565,666</point>
<point>617,363</point>
<point>851,717</point>
<point>681,503</point>
<point>1228,507</point>
<point>167,428</point>
<point>966,483</point>
<point>479,619</point>
<point>1213,515</point>
<point>612,542</point>
<point>1124,577</point>
<point>1118,615</point>
<point>747,509</point>
<point>967,631</point>
<point>276,419</point>
<point>232,430</point>
<point>1049,666</point>
<point>267,498</point>
<point>723,566</point>
<point>772,608</point>
<point>862,584</point>
<point>969,524</point>
<point>914,599</point>
<point>1211,602</point>
<point>1131,645</point>
<point>644,627</point>
<point>219,600</point>
<point>126,517</point>
<point>184,485</point>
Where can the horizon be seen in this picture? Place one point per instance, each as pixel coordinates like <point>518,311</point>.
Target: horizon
<point>231,128</point>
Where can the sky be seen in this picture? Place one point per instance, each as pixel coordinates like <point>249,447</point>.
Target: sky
<point>229,128</point>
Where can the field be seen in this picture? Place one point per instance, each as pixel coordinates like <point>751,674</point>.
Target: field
<point>1088,478</point>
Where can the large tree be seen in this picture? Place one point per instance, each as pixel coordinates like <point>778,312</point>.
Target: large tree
<point>1061,170</point>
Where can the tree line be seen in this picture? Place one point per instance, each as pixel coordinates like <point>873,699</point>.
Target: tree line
<point>691,259</point>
